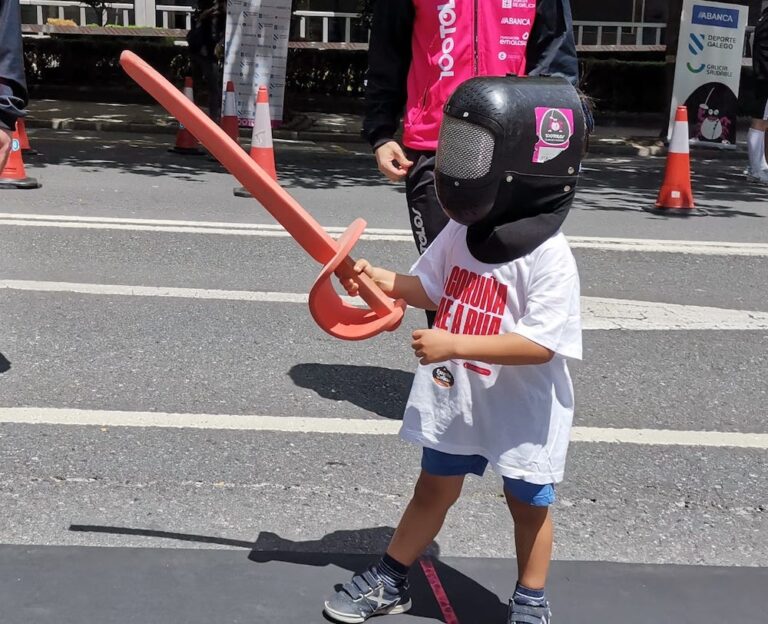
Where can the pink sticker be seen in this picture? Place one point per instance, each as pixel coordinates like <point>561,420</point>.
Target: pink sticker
<point>554,127</point>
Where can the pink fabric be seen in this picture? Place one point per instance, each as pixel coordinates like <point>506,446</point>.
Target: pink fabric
<point>445,55</point>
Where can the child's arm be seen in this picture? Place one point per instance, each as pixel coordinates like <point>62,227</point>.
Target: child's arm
<point>396,285</point>
<point>435,345</point>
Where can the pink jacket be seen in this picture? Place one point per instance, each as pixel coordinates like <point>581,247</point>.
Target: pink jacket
<point>421,50</point>
<point>453,41</point>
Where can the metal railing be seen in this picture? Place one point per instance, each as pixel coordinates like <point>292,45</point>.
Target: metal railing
<point>304,20</point>
<point>140,13</point>
<point>326,28</point>
<point>605,34</point>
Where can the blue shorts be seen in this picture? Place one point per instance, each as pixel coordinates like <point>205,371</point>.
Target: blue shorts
<point>441,464</point>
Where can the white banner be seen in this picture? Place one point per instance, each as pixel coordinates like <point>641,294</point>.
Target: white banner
<point>256,52</point>
<point>708,70</point>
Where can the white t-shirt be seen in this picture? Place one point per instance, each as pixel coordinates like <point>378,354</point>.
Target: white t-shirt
<point>517,417</point>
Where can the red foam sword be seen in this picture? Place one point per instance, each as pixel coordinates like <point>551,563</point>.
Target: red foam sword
<point>329,310</point>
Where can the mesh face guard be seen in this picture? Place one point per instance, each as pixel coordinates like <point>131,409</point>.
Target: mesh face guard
<point>466,150</point>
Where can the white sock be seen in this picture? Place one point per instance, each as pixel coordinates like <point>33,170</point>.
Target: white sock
<point>756,147</point>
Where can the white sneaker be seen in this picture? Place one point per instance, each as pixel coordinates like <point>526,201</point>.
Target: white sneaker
<point>761,177</point>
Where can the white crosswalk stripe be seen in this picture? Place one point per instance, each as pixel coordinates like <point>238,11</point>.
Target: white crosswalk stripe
<point>269,230</point>
<point>352,426</point>
<point>597,313</point>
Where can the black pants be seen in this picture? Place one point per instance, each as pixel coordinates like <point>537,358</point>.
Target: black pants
<point>426,216</point>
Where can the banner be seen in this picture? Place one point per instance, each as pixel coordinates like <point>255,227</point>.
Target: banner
<point>255,53</point>
<point>708,70</point>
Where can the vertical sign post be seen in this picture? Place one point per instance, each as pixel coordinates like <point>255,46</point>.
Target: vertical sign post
<point>708,70</point>
<point>256,53</point>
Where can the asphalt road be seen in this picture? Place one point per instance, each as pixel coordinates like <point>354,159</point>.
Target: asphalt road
<point>340,493</point>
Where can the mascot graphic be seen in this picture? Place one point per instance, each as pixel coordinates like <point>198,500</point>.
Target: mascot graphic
<point>713,107</point>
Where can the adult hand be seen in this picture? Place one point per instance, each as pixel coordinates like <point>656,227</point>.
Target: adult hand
<point>433,345</point>
<point>6,139</point>
<point>392,161</point>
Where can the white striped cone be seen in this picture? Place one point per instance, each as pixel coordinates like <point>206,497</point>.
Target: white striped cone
<point>229,121</point>
<point>262,150</point>
<point>676,192</point>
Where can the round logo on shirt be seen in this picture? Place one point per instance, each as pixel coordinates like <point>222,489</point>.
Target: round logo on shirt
<point>443,377</point>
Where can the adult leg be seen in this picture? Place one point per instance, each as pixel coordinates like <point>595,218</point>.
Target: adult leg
<point>6,138</point>
<point>424,212</point>
<point>756,137</point>
<point>756,146</point>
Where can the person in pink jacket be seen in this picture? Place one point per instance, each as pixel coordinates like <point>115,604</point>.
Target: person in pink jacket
<point>421,50</point>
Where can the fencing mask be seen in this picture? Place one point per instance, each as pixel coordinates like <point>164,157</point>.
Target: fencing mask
<point>508,161</point>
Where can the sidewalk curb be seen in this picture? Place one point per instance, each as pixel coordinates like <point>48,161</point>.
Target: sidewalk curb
<point>598,147</point>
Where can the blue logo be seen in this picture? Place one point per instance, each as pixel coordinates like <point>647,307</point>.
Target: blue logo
<point>696,44</point>
<point>15,145</point>
<point>712,16</point>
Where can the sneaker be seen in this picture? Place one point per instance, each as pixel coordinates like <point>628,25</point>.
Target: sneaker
<point>760,177</point>
<point>365,596</point>
<point>526,614</point>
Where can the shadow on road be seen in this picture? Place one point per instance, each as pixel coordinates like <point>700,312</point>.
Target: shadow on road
<point>5,364</point>
<point>146,155</point>
<point>629,185</point>
<point>382,391</point>
<point>353,551</point>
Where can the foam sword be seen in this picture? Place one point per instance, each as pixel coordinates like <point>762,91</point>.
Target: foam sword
<point>327,307</point>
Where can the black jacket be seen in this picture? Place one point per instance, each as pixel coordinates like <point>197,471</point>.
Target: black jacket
<point>760,49</point>
<point>551,50</point>
<point>13,85</point>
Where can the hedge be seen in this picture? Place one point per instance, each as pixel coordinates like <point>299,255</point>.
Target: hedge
<point>87,68</point>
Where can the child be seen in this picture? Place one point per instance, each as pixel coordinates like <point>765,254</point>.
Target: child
<point>492,385</point>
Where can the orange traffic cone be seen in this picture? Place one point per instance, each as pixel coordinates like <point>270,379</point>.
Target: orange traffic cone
<point>14,175</point>
<point>262,151</point>
<point>676,196</point>
<point>186,143</point>
<point>23,138</point>
<point>229,121</point>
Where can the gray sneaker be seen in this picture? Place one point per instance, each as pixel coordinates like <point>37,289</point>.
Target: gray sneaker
<point>526,614</point>
<point>365,596</point>
<point>761,177</point>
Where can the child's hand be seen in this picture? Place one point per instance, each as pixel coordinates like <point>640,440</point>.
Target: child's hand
<point>433,345</point>
<point>350,284</point>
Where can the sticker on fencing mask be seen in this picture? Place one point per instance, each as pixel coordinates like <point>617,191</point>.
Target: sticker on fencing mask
<point>554,127</point>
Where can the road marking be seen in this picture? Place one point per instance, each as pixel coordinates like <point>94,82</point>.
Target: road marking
<point>157,291</point>
<point>597,313</point>
<point>719,248</point>
<point>600,313</point>
<point>350,426</point>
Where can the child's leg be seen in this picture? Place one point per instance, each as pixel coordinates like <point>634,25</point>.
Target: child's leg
<point>529,505</point>
<point>534,537</point>
<point>383,588</point>
<point>433,496</point>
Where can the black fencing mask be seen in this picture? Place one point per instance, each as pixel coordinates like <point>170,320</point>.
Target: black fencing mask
<point>508,160</point>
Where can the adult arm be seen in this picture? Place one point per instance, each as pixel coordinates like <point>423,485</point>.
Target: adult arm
<point>389,59</point>
<point>551,47</point>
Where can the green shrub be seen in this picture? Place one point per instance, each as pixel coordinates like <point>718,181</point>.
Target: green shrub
<point>87,67</point>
